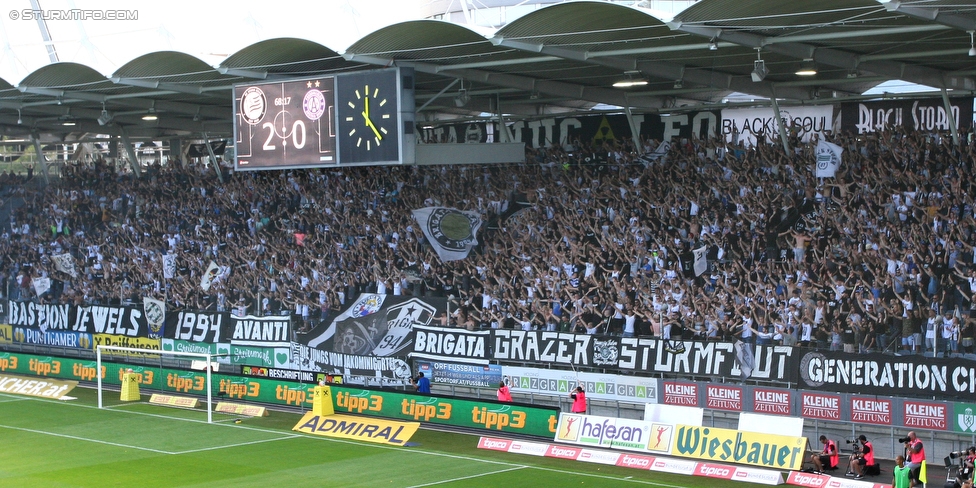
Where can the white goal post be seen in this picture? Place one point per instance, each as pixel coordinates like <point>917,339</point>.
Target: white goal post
<point>175,354</point>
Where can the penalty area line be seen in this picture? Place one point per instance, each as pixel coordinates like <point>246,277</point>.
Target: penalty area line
<point>469,477</point>
<point>214,448</point>
<point>85,439</point>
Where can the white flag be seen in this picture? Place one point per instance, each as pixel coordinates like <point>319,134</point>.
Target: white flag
<point>169,266</point>
<point>451,232</point>
<point>209,276</point>
<point>659,152</point>
<point>65,264</point>
<point>41,285</point>
<point>701,264</point>
<point>828,159</point>
<point>155,311</point>
<point>745,359</point>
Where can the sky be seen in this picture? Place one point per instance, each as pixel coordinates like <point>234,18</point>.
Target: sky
<point>208,29</point>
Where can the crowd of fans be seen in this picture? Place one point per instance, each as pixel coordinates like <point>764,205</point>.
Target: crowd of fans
<point>590,238</point>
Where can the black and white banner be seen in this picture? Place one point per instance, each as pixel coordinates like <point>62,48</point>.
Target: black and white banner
<point>169,266</point>
<point>879,374</point>
<point>370,338</point>
<point>926,115</point>
<point>122,321</point>
<point>458,345</point>
<point>197,326</point>
<point>828,159</point>
<point>451,232</point>
<point>41,285</point>
<point>155,311</point>
<point>270,331</point>
<point>636,354</point>
<point>65,263</point>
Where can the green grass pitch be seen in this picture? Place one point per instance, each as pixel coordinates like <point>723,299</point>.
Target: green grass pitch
<point>51,443</point>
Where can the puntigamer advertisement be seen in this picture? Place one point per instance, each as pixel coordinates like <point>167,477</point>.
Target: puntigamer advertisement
<point>476,414</point>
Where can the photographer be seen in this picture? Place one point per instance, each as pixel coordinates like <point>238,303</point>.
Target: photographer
<point>964,474</point>
<point>915,452</point>
<point>829,456</point>
<point>861,458</point>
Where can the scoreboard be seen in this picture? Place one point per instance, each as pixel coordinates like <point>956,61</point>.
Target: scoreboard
<point>361,118</point>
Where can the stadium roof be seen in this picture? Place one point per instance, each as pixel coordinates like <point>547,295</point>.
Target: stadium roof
<point>563,58</point>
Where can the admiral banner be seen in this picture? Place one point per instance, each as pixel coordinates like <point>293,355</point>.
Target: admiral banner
<point>358,428</point>
<point>878,374</point>
<point>624,388</point>
<point>926,115</point>
<point>458,345</point>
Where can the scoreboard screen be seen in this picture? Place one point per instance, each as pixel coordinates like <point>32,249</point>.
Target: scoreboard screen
<point>283,125</point>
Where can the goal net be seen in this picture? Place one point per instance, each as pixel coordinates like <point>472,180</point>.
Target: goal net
<point>169,372</point>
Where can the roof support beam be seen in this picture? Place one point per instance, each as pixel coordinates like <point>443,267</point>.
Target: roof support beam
<point>955,21</point>
<point>525,83</point>
<point>130,152</point>
<point>835,57</point>
<point>665,70</point>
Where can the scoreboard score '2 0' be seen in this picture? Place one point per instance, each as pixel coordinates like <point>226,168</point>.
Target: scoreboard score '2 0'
<point>284,125</point>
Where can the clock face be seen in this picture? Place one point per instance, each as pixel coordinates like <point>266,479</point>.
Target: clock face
<point>375,115</point>
<point>368,118</point>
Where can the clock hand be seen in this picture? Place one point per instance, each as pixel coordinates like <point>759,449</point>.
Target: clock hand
<point>375,131</point>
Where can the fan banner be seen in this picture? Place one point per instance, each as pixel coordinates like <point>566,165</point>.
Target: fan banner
<point>270,331</point>
<point>371,338</point>
<point>155,311</point>
<point>169,266</point>
<point>451,232</point>
<point>65,264</point>
<point>456,345</point>
<point>828,159</point>
<point>41,285</point>
<point>925,115</point>
<point>212,275</point>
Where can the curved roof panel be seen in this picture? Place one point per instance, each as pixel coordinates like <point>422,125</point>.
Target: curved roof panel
<point>432,40</point>
<point>560,24</point>
<point>64,75</point>
<point>286,56</point>
<point>169,66</point>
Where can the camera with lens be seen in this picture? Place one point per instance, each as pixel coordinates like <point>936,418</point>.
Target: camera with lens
<point>855,444</point>
<point>904,440</point>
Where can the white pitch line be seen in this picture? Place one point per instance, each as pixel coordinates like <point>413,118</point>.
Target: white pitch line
<point>66,436</point>
<point>377,446</point>
<point>236,445</point>
<point>468,477</point>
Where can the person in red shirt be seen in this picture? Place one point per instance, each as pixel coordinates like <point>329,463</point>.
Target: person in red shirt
<point>504,393</point>
<point>579,400</point>
<point>828,457</point>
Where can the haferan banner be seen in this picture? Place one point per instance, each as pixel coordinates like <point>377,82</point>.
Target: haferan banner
<point>879,374</point>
